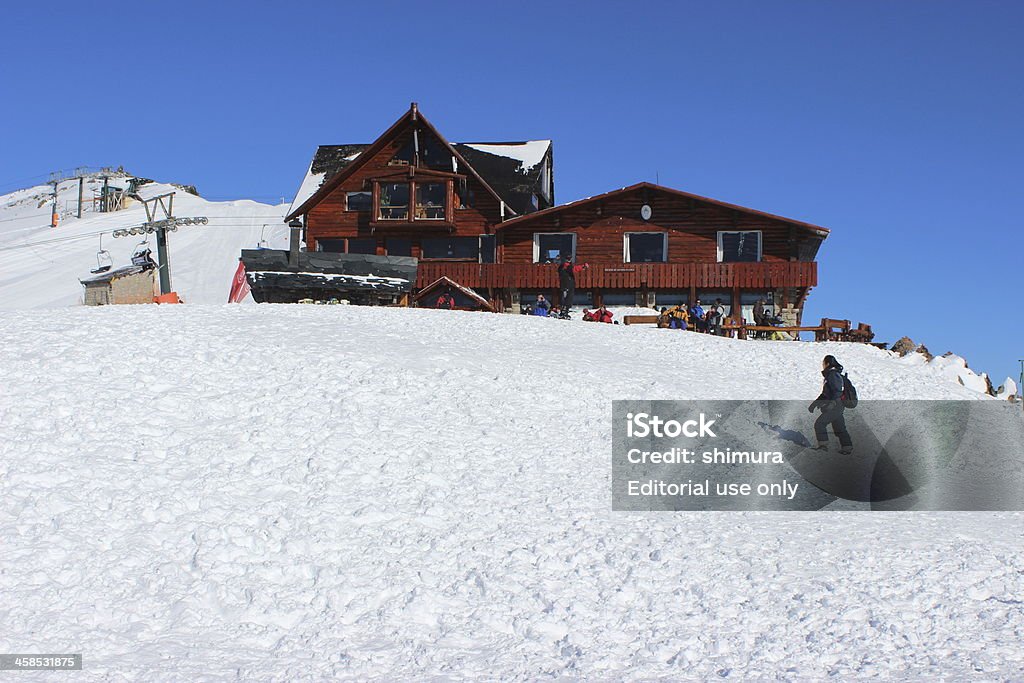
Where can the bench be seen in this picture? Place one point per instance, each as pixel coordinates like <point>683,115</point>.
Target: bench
<point>640,320</point>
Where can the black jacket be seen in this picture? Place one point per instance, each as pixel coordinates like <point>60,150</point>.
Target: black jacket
<point>833,384</point>
<point>566,276</point>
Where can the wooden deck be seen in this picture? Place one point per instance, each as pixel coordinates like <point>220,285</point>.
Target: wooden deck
<point>625,276</point>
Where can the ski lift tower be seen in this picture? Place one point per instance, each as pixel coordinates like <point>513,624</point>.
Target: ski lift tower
<point>160,219</point>
<point>55,178</point>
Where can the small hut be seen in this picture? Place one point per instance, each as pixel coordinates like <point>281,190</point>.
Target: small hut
<point>128,285</point>
<point>465,298</point>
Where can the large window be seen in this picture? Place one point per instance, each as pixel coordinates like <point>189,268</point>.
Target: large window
<point>548,247</point>
<point>394,201</point>
<point>737,247</point>
<point>488,247</point>
<point>352,245</point>
<point>645,247</point>
<point>431,199</point>
<point>460,248</point>
<point>362,245</point>
<point>337,245</point>
<point>358,201</point>
<point>398,247</point>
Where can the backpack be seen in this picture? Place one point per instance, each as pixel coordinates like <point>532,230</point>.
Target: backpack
<point>849,395</point>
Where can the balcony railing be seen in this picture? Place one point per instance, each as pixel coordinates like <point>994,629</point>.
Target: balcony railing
<point>626,275</point>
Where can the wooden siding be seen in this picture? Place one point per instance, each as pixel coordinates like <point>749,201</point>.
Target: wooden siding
<point>763,275</point>
<point>692,229</point>
<point>329,219</point>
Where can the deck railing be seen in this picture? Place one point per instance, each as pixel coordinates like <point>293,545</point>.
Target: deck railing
<point>625,275</point>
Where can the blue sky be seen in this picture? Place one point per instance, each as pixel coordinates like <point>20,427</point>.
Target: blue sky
<point>895,124</point>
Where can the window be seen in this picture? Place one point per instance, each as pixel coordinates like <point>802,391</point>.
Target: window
<point>394,201</point>
<point>398,247</point>
<point>464,198</point>
<point>337,246</point>
<point>488,246</point>
<point>670,298</point>
<point>549,246</point>
<point>403,157</point>
<point>363,245</point>
<point>430,201</point>
<point>619,298</point>
<point>463,248</point>
<point>736,247</point>
<point>434,155</point>
<point>645,247</point>
<point>358,201</point>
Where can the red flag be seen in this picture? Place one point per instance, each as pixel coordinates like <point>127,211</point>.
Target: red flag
<point>239,285</point>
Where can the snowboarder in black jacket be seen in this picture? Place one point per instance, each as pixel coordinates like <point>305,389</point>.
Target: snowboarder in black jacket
<point>830,402</point>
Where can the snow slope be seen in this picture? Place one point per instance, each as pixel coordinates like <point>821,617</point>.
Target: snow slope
<point>331,492</point>
<point>41,266</point>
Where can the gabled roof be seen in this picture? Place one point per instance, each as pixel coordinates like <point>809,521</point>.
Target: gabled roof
<point>817,229</point>
<point>515,167</point>
<point>446,281</point>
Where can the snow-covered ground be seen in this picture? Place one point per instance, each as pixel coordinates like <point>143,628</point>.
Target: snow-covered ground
<point>41,266</point>
<point>318,492</point>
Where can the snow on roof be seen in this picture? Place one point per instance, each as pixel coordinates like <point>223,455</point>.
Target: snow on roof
<point>528,154</point>
<point>310,183</point>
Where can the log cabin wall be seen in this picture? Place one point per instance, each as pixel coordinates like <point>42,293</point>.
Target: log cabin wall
<point>692,228</point>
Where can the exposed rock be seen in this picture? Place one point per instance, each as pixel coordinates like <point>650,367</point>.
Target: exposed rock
<point>904,346</point>
<point>923,350</point>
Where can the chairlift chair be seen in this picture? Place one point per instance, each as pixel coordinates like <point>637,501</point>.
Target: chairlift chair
<point>103,260</point>
<point>143,255</point>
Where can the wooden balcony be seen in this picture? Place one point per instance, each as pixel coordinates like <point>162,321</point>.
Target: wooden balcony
<point>626,275</point>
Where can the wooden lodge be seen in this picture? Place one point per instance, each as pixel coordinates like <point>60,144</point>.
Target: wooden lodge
<point>482,216</point>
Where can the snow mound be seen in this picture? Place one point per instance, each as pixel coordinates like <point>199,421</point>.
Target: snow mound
<point>955,367</point>
<point>335,492</point>
<point>1007,390</point>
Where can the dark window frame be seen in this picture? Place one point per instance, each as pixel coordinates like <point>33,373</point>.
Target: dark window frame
<point>627,256</point>
<point>538,255</point>
<point>721,247</point>
<point>411,206</point>
<point>469,259</point>
<point>348,206</point>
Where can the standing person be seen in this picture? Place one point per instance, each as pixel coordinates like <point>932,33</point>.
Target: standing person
<point>697,317</point>
<point>567,271</point>
<point>759,312</point>
<point>830,401</point>
<point>713,318</point>
<point>446,300</point>
<point>759,318</point>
